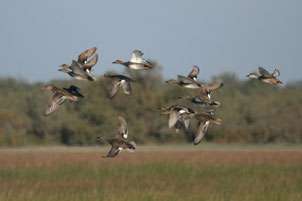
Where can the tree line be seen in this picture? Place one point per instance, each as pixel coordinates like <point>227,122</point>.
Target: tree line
<point>252,112</point>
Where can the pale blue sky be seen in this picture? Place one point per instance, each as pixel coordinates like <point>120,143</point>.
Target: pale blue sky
<point>218,36</point>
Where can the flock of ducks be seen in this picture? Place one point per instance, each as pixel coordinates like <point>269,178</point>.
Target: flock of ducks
<point>179,116</point>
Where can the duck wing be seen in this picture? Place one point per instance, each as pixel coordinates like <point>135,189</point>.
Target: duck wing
<point>276,73</point>
<point>122,130</point>
<point>76,68</point>
<point>127,88</point>
<point>114,151</point>
<point>89,64</point>
<point>213,86</point>
<point>201,131</point>
<point>173,117</point>
<point>116,86</point>
<point>82,58</point>
<point>194,73</point>
<point>184,79</point>
<point>264,72</point>
<point>136,57</point>
<point>57,100</point>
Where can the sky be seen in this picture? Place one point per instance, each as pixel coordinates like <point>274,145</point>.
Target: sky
<point>218,36</point>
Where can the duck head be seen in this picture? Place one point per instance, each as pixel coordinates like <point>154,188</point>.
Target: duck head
<point>50,86</point>
<point>253,75</point>
<point>118,62</point>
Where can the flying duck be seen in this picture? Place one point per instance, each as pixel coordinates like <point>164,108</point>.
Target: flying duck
<point>266,76</point>
<point>60,95</point>
<point>137,62</point>
<point>120,141</point>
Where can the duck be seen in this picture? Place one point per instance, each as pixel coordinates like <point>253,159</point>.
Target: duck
<point>83,61</point>
<point>120,141</point>
<point>204,119</point>
<point>119,81</point>
<point>266,76</point>
<point>188,81</point>
<point>204,98</point>
<point>60,95</point>
<point>137,62</point>
<point>76,71</point>
<point>176,118</point>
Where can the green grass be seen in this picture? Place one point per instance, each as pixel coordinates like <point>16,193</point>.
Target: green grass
<point>62,175</point>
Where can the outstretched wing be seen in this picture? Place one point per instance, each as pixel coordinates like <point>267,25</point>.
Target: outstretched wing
<point>184,79</point>
<point>201,131</point>
<point>173,117</point>
<point>194,73</point>
<point>114,151</point>
<point>82,58</point>
<point>122,130</point>
<point>264,72</point>
<point>91,62</point>
<point>75,67</point>
<point>276,73</point>
<point>136,57</point>
<point>115,87</point>
<point>57,100</point>
<point>127,88</point>
<point>214,86</point>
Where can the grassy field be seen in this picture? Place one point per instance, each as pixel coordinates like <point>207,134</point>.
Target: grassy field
<point>206,172</point>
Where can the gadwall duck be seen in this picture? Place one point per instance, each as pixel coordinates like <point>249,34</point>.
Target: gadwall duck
<point>76,71</point>
<point>204,119</point>
<point>83,61</point>
<point>60,95</point>
<point>266,76</point>
<point>204,98</point>
<point>189,81</point>
<point>119,81</point>
<point>176,118</point>
<point>136,62</point>
<point>120,141</point>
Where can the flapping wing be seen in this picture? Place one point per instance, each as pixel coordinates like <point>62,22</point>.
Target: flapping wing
<point>82,58</point>
<point>187,121</point>
<point>122,130</point>
<point>76,68</point>
<point>213,86</point>
<point>114,151</point>
<point>264,72</point>
<point>127,88</point>
<point>184,79</point>
<point>173,117</point>
<point>115,87</point>
<point>136,57</point>
<point>201,131</point>
<point>276,73</point>
<point>91,62</point>
<point>194,73</point>
<point>57,100</point>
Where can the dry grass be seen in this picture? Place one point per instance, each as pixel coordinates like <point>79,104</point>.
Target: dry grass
<point>170,174</point>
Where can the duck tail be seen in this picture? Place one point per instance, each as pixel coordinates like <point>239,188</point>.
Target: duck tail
<point>214,104</point>
<point>91,78</point>
<point>131,147</point>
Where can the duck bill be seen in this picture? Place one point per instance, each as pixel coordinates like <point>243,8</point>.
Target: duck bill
<point>147,67</point>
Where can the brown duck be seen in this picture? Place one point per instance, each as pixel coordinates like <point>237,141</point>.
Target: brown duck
<point>204,98</point>
<point>60,95</point>
<point>266,76</point>
<point>120,141</point>
<point>119,81</point>
<point>176,118</point>
<point>204,119</point>
<point>189,81</point>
